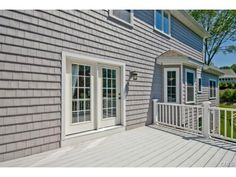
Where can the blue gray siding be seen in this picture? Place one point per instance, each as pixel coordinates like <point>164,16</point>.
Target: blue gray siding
<point>178,30</point>
<point>185,35</point>
<point>146,16</point>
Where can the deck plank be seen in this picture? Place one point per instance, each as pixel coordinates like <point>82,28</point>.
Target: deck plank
<point>141,147</point>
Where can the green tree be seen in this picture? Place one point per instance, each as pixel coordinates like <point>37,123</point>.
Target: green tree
<point>227,96</point>
<point>221,25</point>
<point>234,67</point>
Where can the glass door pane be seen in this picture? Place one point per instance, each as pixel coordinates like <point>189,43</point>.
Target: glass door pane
<point>109,92</point>
<point>81,88</point>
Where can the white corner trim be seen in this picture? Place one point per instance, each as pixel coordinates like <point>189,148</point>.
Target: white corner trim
<point>194,86</point>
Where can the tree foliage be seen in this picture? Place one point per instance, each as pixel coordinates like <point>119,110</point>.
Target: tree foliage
<point>221,25</point>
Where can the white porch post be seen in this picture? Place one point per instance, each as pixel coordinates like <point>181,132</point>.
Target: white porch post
<point>155,111</point>
<point>206,119</point>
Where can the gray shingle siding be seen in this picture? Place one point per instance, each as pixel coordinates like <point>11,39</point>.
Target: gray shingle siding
<point>31,45</point>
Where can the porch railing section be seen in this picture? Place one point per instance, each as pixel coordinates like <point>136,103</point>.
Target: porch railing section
<point>223,123</point>
<point>211,122</point>
<point>186,117</point>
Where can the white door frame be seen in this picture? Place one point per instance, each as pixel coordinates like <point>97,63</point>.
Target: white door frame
<point>177,83</point>
<point>83,58</point>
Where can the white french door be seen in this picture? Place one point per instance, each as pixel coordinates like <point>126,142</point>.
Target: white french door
<point>92,97</point>
<point>109,95</point>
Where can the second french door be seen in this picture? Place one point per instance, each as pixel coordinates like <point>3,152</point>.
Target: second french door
<point>108,95</point>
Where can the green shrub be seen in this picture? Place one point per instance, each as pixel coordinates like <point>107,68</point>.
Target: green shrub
<point>229,85</point>
<point>227,96</point>
<point>234,96</point>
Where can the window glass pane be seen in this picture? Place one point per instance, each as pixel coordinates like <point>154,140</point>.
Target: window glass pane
<point>81,70</point>
<point>87,70</point>
<point>87,81</point>
<point>190,94</point>
<point>75,69</point>
<point>123,15</point>
<point>87,116</point>
<point>158,19</point>
<point>190,86</point>
<point>81,116</point>
<point>81,81</point>
<point>166,23</point>
<point>80,92</point>
<point>171,86</point>
<point>190,79</point>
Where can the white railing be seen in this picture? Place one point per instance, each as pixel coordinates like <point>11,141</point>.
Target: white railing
<point>186,117</point>
<point>211,122</point>
<point>223,123</point>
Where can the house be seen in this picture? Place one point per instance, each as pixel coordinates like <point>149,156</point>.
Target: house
<point>228,76</point>
<point>67,76</point>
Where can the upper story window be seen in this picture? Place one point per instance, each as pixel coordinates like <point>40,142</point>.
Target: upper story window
<point>125,16</point>
<point>190,86</point>
<point>212,89</point>
<point>162,21</point>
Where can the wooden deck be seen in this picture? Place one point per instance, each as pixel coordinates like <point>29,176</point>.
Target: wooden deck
<point>142,147</point>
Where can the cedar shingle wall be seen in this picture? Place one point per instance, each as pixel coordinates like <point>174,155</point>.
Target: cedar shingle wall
<point>31,43</point>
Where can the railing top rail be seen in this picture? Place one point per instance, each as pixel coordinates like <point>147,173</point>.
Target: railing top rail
<point>175,104</point>
<point>223,109</point>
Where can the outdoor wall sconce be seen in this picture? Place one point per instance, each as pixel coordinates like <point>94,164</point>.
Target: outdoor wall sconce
<point>134,75</point>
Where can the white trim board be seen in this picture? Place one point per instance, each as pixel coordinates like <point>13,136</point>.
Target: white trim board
<point>83,58</point>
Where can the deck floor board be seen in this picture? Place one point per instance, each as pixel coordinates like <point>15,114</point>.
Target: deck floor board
<point>151,146</point>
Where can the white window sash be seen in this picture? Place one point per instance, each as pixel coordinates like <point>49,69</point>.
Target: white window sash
<point>186,85</point>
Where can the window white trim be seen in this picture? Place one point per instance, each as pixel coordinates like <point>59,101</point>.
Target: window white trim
<point>162,21</point>
<point>77,57</point>
<point>212,80</point>
<point>194,86</point>
<point>110,12</point>
<point>177,84</point>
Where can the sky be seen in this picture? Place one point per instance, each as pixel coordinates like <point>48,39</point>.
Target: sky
<point>221,59</point>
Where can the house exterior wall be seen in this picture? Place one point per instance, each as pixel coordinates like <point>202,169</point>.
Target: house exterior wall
<point>31,45</point>
<point>205,94</point>
<point>178,30</point>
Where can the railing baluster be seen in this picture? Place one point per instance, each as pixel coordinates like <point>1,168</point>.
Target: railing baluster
<point>162,112</point>
<point>172,117</point>
<point>232,125</point>
<point>219,113</point>
<point>225,123</point>
<point>188,119</point>
<point>184,117</point>
<point>213,121</point>
<point>169,107</point>
<point>197,120</point>
<point>176,115</point>
<point>193,121</point>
